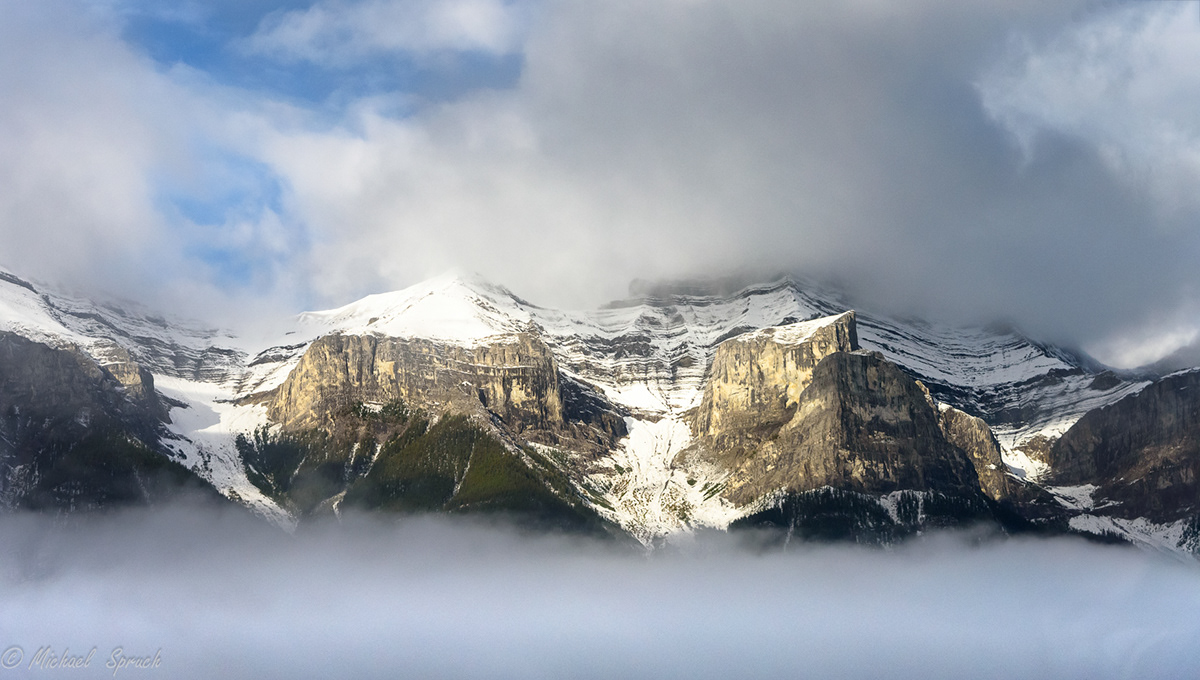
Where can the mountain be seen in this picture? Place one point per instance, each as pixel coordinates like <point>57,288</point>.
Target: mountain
<point>1131,467</point>
<point>87,402</point>
<point>690,405</point>
<point>75,435</point>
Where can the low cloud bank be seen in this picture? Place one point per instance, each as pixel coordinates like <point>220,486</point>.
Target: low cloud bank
<point>222,595</point>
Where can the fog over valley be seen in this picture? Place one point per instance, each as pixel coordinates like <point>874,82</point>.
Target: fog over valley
<point>226,594</point>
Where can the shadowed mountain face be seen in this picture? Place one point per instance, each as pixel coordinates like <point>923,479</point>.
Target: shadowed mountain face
<point>685,409</point>
<point>75,437</point>
<point>975,438</point>
<point>1143,452</point>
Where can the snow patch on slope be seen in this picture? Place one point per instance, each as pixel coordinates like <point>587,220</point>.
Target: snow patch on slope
<point>1075,497</point>
<point>173,347</point>
<point>649,495</point>
<point>1022,465</point>
<point>23,312</point>
<point>1171,539</point>
<point>966,357</point>
<point>204,441</point>
<point>1061,404</point>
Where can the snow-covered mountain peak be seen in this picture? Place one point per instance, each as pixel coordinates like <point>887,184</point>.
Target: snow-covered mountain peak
<point>24,312</point>
<point>164,344</point>
<point>458,308</point>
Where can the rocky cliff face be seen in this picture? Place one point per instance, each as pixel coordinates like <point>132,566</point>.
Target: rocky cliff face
<point>795,408</point>
<point>514,381</point>
<point>517,379</point>
<point>386,423</point>
<point>1143,452</point>
<point>863,459</point>
<point>859,424</point>
<point>136,378</point>
<point>757,379</point>
<point>975,438</point>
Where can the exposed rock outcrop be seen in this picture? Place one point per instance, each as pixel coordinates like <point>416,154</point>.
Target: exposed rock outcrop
<point>757,378</point>
<point>795,408</point>
<point>861,424</point>
<point>1143,452</point>
<point>973,436</point>
<point>1038,448</point>
<point>514,379</point>
<point>358,416</point>
<point>137,380</point>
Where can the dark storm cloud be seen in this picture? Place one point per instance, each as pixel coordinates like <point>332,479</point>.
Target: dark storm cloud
<point>1028,162</point>
<point>225,595</point>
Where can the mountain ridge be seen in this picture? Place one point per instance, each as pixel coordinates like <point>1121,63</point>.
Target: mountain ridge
<point>625,380</point>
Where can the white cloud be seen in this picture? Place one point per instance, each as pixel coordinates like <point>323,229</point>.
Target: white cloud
<point>95,142</point>
<point>79,125</point>
<point>668,139</point>
<point>1144,348</point>
<point>1142,344</point>
<point>1123,82</point>
<point>339,33</point>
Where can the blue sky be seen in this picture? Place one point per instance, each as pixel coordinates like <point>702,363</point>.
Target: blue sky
<point>208,37</point>
<point>1026,161</point>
